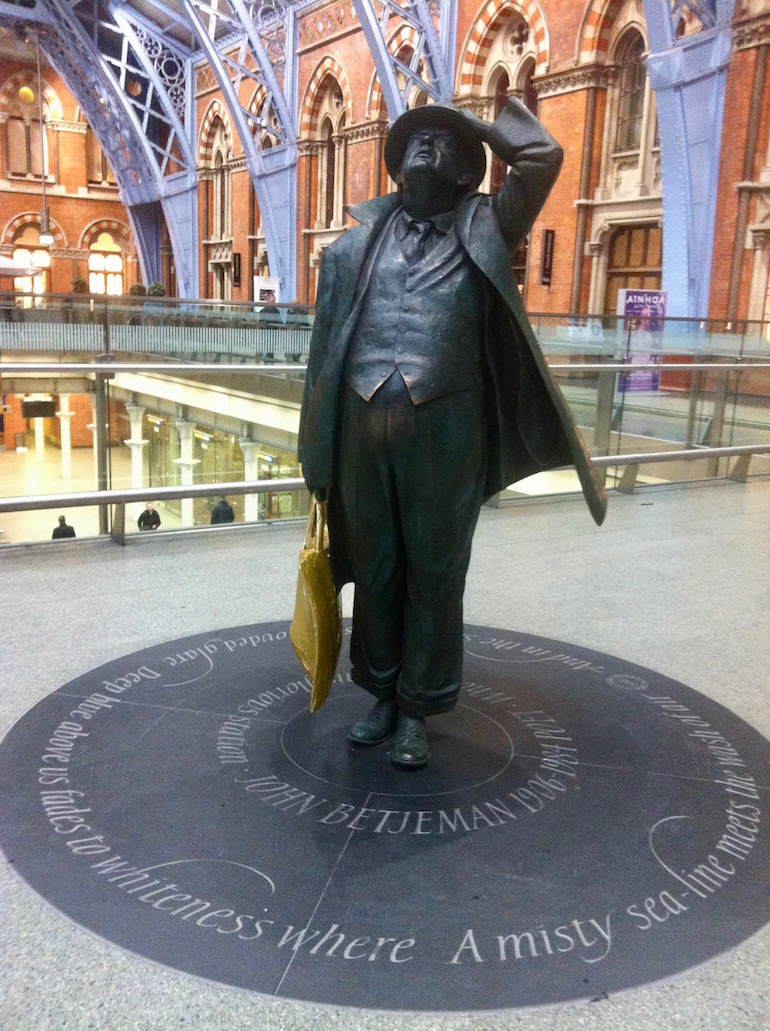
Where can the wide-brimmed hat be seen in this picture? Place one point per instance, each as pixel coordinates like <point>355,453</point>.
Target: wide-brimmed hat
<point>434,115</point>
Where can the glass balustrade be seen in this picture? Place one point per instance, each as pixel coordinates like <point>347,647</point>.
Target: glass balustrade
<point>168,426</point>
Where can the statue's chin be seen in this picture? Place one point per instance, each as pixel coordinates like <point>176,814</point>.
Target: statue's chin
<point>423,176</point>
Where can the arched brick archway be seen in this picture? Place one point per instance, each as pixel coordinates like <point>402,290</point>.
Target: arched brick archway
<point>206,136</point>
<point>9,93</point>
<point>118,230</point>
<point>32,218</point>
<point>595,32</point>
<point>313,93</point>
<point>482,35</point>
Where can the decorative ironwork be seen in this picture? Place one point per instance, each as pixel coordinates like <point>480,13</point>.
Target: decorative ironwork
<point>65,48</point>
<point>170,68</point>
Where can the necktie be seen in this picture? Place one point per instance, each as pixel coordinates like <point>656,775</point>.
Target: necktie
<point>413,244</point>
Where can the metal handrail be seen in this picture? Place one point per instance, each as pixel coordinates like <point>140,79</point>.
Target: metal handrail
<point>203,490</point>
<point>109,367</point>
<point>68,299</point>
<point>62,368</point>
<point>121,497</point>
<point>604,461</point>
<point>624,366</point>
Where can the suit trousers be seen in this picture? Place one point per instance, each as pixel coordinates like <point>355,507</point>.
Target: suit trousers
<point>411,480</point>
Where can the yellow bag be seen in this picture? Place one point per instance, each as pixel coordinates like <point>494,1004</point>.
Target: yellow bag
<point>316,630</point>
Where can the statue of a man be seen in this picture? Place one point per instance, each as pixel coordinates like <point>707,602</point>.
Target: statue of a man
<point>426,393</point>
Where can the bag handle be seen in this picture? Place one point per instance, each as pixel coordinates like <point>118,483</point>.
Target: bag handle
<point>316,525</point>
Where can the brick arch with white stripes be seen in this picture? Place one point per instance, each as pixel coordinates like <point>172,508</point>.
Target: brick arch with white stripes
<point>311,101</point>
<point>484,31</point>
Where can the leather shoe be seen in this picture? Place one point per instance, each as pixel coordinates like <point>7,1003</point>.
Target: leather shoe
<point>377,725</point>
<point>410,749</point>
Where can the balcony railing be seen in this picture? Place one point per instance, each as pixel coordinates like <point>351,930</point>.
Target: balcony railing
<point>671,413</point>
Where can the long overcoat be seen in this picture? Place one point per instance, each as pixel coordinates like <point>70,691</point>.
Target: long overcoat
<point>529,426</point>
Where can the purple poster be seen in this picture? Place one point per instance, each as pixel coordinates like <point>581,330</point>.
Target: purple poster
<point>644,313</point>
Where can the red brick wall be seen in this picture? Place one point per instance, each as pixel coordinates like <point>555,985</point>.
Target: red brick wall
<point>71,213</point>
<point>241,187</point>
<point>564,117</point>
<point>13,423</point>
<point>80,435</point>
<point>740,80</point>
<point>737,100</point>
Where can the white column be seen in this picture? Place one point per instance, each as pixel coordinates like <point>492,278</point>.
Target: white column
<point>604,189</point>
<point>64,415</point>
<point>320,173</point>
<point>596,257</point>
<point>339,181</point>
<point>137,446</point>
<point>186,466</point>
<point>39,440</point>
<point>250,451</point>
<point>92,427</point>
<point>645,150</point>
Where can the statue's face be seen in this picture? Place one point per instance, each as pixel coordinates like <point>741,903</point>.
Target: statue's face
<point>436,152</point>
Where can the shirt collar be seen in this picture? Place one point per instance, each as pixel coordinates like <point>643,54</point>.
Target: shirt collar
<point>443,223</point>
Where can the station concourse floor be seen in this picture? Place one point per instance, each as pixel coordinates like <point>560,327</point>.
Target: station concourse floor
<point>677,580</point>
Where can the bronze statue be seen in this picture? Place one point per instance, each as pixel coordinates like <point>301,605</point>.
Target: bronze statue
<point>426,393</point>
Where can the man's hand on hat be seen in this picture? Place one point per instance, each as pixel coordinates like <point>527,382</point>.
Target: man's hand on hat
<point>489,132</point>
<point>480,127</point>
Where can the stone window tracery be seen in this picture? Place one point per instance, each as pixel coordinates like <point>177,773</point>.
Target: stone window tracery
<point>630,151</point>
<point>506,64</point>
<point>24,146</point>
<point>332,156</point>
<point>631,92</point>
<point>221,206</point>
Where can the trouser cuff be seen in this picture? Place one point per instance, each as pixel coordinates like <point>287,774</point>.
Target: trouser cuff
<point>385,692</point>
<point>426,707</point>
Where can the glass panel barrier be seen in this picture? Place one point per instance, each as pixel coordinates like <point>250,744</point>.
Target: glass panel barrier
<point>668,403</point>
<point>198,330</point>
<point>170,424</point>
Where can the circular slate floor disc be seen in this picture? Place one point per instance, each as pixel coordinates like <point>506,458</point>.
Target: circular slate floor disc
<point>584,825</point>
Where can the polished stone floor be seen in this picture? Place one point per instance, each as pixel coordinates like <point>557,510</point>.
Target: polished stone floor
<point>676,581</point>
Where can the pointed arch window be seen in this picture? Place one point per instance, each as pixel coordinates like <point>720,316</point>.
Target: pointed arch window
<point>220,197</point>
<point>527,86</point>
<point>331,157</point>
<point>327,137</point>
<point>631,90</point>
<point>501,94</point>
<point>25,144</point>
<point>220,214</point>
